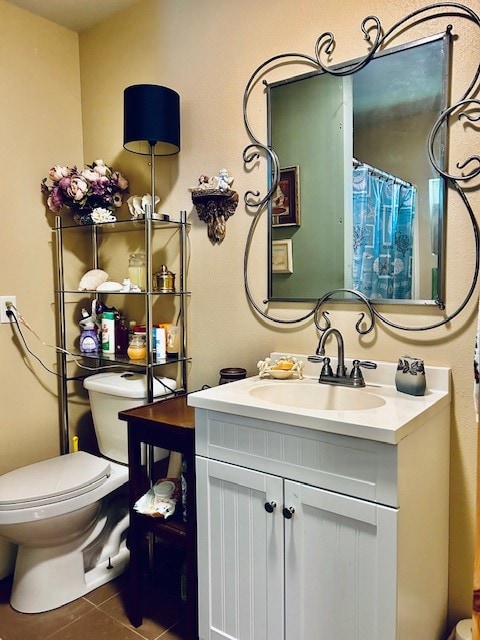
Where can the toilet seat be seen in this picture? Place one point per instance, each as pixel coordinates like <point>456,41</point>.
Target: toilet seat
<point>53,480</point>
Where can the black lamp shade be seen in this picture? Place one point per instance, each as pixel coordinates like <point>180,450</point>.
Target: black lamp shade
<point>151,119</point>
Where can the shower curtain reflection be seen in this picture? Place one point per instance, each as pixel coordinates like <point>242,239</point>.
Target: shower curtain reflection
<point>383,219</point>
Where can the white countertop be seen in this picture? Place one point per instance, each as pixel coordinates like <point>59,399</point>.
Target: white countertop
<point>395,419</point>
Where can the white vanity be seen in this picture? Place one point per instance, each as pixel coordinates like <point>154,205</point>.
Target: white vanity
<point>323,515</point>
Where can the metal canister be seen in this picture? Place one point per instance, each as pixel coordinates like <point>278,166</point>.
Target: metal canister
<point>164,280</point>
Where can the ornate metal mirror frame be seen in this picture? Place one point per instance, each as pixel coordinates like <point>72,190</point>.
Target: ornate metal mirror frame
<point>466,108</point>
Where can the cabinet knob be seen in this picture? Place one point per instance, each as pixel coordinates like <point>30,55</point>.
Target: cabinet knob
<point>288,512</point>
<point>270,506</point>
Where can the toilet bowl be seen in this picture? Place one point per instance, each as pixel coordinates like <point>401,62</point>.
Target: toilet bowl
<point>69,514</point>
<point>56,524</point>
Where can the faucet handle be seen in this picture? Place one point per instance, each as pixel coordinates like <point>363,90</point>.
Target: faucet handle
<point>326,369</point>
<point>366,364</point>
<point>356,373</point>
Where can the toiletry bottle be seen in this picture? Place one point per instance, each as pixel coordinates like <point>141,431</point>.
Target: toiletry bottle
<point>121,337</point>
<point>154,341</point>
<point>89,338</point>
<point>160,343</point>
<point>131,326</point>
<point>173,340</point>
<point>108,332</point>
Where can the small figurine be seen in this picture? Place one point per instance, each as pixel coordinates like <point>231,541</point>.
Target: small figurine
<point>223,180</point>
<point>204,183</point>
<point>138,206</point>
<point>128,287</point>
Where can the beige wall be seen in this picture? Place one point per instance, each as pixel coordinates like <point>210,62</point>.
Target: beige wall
<point>206,51</point>
<point>40,124</point>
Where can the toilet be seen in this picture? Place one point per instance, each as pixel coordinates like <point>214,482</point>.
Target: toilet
<point>69,514</point>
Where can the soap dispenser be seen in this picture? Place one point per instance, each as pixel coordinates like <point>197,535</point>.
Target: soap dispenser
<point>89,342</point>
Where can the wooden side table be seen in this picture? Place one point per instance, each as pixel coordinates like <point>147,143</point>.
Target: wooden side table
<point>169,424</point>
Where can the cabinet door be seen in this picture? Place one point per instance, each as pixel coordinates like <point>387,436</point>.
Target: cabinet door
<point>240,553</point>
<point>340,567</point>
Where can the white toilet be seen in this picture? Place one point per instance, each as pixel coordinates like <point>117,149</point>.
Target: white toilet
<point>69,515</point>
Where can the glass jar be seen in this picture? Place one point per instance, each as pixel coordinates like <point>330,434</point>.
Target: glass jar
<point>137,271</point>
<point>137,349</point>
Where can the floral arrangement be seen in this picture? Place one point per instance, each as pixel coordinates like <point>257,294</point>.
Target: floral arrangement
<point>93,194</point>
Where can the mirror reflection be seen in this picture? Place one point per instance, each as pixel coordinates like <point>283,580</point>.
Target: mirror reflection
<point>359,204</point>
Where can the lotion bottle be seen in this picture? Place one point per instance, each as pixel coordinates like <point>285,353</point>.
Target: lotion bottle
<point>108,332</point>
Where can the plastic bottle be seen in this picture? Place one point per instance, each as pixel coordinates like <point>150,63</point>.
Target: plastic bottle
<point>173,341</point>
<point>108,332</point>
<point>160,343</point>
<point>89,338</point>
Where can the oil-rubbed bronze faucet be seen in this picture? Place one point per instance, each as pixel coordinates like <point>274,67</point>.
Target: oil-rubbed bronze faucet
<point>341,368</point>
<point>355,379</point>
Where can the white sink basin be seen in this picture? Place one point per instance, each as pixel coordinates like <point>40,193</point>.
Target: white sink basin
<point>375,412</point>
<point>320,397</point>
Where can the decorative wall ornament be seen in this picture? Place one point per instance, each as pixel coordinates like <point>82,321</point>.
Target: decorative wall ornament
<point>215,202</point>
<point>466,109</point>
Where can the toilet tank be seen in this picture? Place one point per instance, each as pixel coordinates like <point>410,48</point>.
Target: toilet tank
<point>110,393</point>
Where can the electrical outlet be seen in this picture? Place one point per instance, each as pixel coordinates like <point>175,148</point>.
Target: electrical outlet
<point>4,319</point>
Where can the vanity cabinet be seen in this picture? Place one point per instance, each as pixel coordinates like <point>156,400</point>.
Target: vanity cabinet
<point>307,534</point>
<point>107,246</point>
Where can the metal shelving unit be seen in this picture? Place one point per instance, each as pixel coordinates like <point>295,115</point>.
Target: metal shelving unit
<point>91,237</point>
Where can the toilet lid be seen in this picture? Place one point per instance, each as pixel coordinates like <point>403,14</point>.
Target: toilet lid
<point>52,480</point>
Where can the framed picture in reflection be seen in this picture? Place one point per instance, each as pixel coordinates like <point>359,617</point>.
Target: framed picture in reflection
<point>282,256</point>
<point>286,199</point>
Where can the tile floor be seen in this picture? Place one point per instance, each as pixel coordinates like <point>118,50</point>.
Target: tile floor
<point>100,615</point>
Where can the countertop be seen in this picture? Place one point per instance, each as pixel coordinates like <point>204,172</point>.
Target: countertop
<point>395,419</point>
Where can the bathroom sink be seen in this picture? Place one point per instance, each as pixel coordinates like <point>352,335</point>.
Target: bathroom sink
<point>375,412</point>
<point>317,396</point>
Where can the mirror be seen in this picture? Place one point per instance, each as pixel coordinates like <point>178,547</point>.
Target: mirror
<point>358,204</point>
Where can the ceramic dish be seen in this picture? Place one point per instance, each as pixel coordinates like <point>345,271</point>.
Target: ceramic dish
<point>279,374</point>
